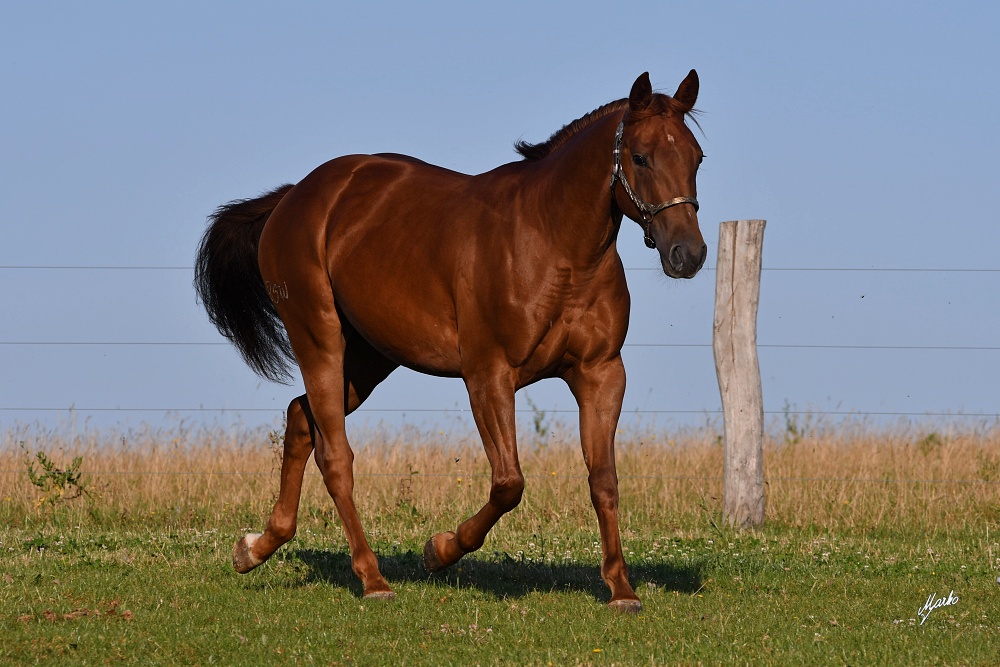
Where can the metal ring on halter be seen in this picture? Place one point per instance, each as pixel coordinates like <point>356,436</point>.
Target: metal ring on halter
<point>646,210</point>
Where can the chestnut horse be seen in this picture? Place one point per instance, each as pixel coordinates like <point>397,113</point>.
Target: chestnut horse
<point>503,279</point>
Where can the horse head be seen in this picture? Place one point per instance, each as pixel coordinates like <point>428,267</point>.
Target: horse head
<point>656,160</point>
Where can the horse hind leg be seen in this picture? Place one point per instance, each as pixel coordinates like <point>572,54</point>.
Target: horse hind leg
<point>320,344</point>
<point>255,548</point>
<point>364,369</point>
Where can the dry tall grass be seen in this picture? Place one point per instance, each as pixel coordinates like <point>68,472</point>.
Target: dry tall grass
<point>846,476</point>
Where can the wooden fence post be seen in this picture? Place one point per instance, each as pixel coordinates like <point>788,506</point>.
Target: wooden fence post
<point>734,342</point>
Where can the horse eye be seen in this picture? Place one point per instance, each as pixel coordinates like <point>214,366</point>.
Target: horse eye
<point>638,160</point>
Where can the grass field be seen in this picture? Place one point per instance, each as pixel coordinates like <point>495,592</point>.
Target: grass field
<point>863,524</point>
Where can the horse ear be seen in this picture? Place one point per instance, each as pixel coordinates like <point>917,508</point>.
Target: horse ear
<point>642,93</point>
<point>687,92</point>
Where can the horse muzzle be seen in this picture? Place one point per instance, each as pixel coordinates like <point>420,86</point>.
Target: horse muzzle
<point>684,259</point>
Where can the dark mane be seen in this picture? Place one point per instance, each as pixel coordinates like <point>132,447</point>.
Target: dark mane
<point>537,151</point>
<point>532,152</point>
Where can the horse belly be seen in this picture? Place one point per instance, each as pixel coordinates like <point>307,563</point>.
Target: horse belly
<point>411,322</point>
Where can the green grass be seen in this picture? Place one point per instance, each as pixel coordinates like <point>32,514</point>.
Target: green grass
<point>862,526</point>
<point>160,595</point>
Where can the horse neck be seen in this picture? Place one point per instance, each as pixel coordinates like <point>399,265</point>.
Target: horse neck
<point>574,190</point>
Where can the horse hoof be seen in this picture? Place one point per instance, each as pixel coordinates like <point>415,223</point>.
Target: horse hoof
<point>626,606</point>
<point>379,595</point>
<point>243,560</point>
<point>431,560</point>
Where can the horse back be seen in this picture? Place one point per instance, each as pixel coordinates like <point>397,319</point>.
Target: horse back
<point>428,264</point>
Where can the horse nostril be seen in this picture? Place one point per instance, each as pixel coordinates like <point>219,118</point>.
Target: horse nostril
<point>677,257</point>
<point>683,261</point>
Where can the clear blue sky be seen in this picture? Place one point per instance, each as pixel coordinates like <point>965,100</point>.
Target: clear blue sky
<point>865,133</point>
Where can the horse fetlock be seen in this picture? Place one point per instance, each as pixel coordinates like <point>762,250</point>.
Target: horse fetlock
<point>243,558</point>
<point>615,575</point>
<point>468,541</point>
<point>282,531</point>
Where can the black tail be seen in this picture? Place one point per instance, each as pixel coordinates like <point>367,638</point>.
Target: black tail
<point>227,278</point>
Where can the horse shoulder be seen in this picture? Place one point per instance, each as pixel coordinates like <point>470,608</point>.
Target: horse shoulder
<point>598,317</point>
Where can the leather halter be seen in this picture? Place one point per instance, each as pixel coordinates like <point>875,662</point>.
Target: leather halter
<point>646,210</point>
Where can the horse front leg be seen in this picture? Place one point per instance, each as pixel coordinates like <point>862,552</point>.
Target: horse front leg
<point>255,548</point>
<point>599,389</point>
<point>492,400</point>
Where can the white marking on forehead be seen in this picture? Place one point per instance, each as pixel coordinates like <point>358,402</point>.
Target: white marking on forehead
<point>670,138</point>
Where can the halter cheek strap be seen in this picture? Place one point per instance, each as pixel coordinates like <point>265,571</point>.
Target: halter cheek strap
<point>646,210</point>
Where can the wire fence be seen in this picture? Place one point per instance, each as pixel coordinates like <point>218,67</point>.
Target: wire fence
<point>527,476</point>
<point>465,411</point>
<point>995,416</point>
<point>711,413</point>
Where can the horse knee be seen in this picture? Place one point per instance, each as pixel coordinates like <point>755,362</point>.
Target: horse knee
<point>333,459</point>
<point>603,489</point>
<point>505,494</point>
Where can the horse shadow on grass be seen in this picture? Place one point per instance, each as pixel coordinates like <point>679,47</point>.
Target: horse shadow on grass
<point>500,575</point>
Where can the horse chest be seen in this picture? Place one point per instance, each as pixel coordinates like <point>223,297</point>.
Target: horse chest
<point>557,329</point>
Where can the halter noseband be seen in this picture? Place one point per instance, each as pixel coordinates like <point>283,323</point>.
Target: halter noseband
<point>646,210</point>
